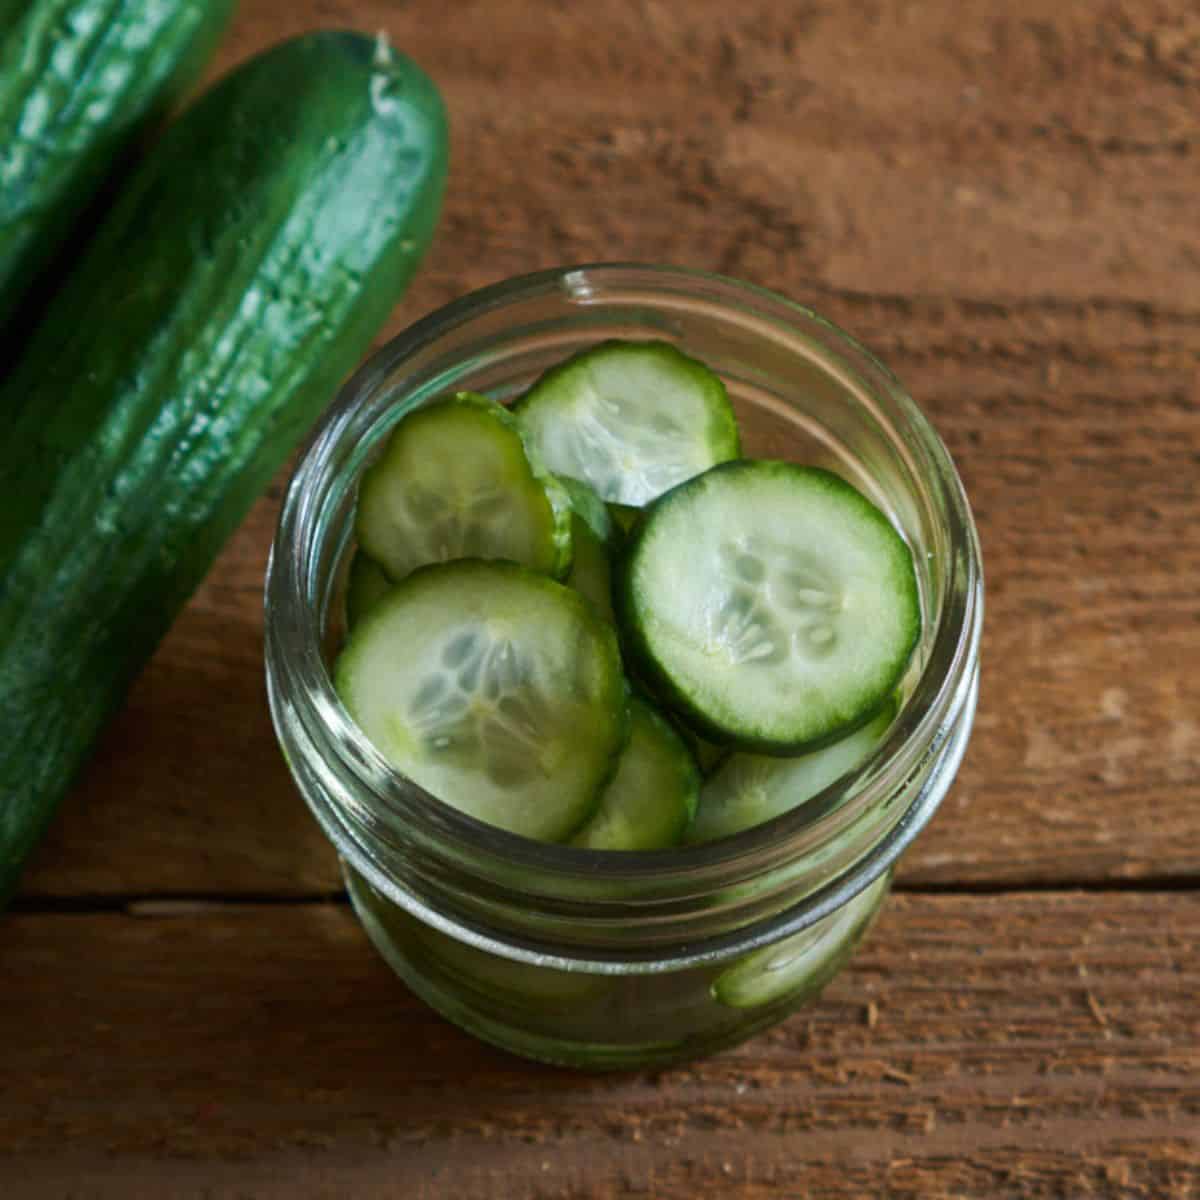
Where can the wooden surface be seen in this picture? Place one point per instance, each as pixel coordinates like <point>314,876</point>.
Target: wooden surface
<point>1002,201</point>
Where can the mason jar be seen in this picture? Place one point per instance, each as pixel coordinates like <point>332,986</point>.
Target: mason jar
<point>621,959</point>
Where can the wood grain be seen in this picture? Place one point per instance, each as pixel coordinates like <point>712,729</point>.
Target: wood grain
<point>1000,1046</point>
<point>1000,201</point>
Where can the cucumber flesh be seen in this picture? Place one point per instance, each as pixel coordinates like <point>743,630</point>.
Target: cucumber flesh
<point>651,798</point>
<point>494,688</point>
<point>455,481</point>
<point>800,966</point>
<point>772,603</point>
<point>366,584</point>
<point>748,789</point>
<point>632,419</point>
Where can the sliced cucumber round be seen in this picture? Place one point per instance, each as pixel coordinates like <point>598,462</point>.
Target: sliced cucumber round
<point>651,798</point>
<point>624,516</point>
<point>632,419</point>
<point>591,569</point>
<point>455,481</point>
<point>366,584</point>
<point>594,538</point>
<point>494,688</point>
<point>771,603</point>
<point>710,755</point>
<point>800,966</point>
<point>748,789</point>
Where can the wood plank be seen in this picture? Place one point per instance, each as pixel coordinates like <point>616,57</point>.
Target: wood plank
<point>1033,1045</point>
<point>1000,202</point>
<point>910,148</point>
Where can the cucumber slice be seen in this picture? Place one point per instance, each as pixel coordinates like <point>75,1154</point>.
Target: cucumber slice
<point>366,584</point>
<point>748,789</point>
<point>594,513</point>
<point>651,798</point>
<point>632,419</point>
<point>498,979</point>
<point>591,569</point>
<point>771,603</point>
<point>494,688</point>
<point>455,481</point>
<point>624,516</point>
<point>800,966</point>
<point>594,537</point>
<point>710,755</point>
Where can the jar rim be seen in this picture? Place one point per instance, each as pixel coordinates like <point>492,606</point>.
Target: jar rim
<point>925,725</point>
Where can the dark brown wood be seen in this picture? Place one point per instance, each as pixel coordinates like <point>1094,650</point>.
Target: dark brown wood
<point>1001,201</point>
<point>1033,1045</point>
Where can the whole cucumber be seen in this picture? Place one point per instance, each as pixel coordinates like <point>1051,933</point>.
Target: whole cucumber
<point>78,81</point>
<point>239,276</point>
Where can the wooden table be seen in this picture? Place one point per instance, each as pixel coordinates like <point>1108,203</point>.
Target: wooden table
<point>1003,200</point>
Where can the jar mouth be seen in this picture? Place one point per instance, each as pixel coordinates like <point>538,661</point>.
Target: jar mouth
<point>368,799</point>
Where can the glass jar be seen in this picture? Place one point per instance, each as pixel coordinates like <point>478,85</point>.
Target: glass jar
<point>600,959</point>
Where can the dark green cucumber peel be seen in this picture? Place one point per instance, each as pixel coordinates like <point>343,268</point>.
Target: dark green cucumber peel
<point>79,79</point>
<point>240,275</point>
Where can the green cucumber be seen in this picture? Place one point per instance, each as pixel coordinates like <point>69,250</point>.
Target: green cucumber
<point>632,419</point>
<point>624,516</point>
<point>78,80</point>
<point>403,939</point>
<point>241,273</point>
<point>455,481</point>
<point>748,789</point>
<point>494,688</point>
<point>592,511</point>
<point>366,584</point>
<point>594,539</point>
<point>591,569</point>
<point>800,966</point>
<point>652,797</point>
<point>709,755</point>
<point>771,603</point>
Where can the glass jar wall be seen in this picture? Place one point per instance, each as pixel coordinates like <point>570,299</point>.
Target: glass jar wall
<point>601,959</point>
